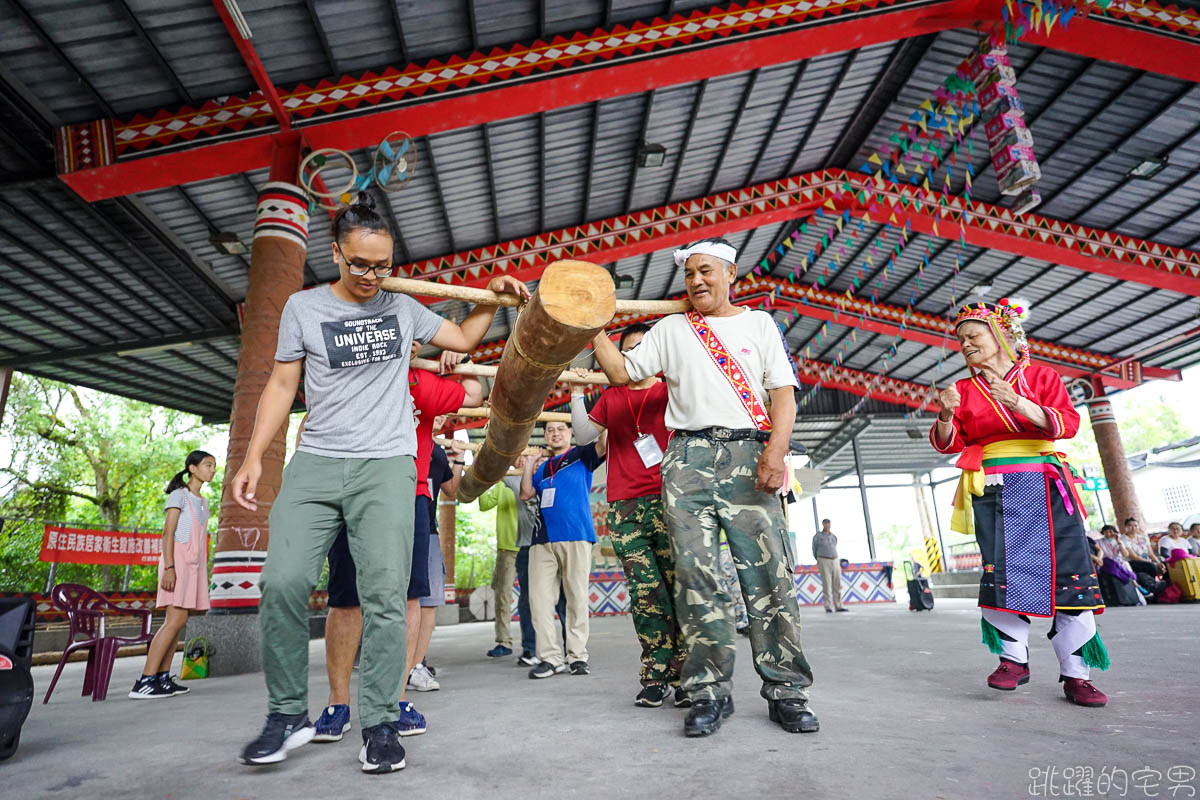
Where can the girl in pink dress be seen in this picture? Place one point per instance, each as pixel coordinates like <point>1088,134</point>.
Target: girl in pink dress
<point>182,572</point>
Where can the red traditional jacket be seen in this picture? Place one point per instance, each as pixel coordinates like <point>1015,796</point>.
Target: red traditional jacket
<point>980,419</point>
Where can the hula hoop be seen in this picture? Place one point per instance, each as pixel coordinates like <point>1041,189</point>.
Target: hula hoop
<point>386,158</point>
<point>306,181</point>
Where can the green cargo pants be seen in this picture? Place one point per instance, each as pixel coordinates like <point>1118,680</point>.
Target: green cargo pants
<point>639,537</point>
<point>374,498</point>
<point>709,487</point>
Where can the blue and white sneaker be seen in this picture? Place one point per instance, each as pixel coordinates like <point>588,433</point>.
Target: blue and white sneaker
<point>411,721</point>
<point>333,722</point>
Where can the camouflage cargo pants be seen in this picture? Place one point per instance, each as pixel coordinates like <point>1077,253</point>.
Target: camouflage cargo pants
<point>731,586</point>
<point>639,536</point>
<point>709,487</point>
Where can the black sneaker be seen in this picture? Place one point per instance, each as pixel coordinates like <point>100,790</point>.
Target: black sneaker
<point>545,669</point>
<point>528,660</point>
<point>283,732</point>
<point>681,698</point>
<point>580,668</point>
<point>381,751</point>
<point>168,681</point>
<point>149,687</point>
<point>652,696</point>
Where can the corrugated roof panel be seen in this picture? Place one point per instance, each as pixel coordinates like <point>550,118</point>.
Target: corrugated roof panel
<point>502,22</point>
<point>566,155</point>
<point>516,160</point>
<point>434,27</point>
<point>568,16</point>
<point>285,38</point>
<point>819,76</point>
<point>711,134</point>
<point>46,76</point>
<point>361,34</point>
<point>744,143</point>
<point>466,189</point>
<point>420,212</point>
<point>620,124</point>
<point>195,44</point>
<point>864,72</point>
<point>669,115</point>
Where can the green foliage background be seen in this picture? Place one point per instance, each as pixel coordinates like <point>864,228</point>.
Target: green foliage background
<point>90,460</point>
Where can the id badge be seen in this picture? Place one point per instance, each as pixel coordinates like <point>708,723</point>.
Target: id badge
<point>647,447</point>
<point>548,497</point>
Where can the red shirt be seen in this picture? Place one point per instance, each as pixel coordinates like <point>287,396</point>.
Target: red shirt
<point>628,413</point>
<point>432,396</point>
<point>980,419</point>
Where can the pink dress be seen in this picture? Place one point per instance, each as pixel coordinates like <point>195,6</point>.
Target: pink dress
<point>191,560</point>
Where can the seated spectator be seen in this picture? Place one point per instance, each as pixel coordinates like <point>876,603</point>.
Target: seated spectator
<point>1142,558</point>
<point>1118,582</point>
<point>1194,538</point>
<point>1094,538</point>
<point>1171,541</point>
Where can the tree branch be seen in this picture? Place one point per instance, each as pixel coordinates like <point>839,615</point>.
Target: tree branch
<point>49,487</point>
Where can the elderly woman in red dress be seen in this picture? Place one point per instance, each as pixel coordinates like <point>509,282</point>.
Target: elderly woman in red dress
<point>1017,497</point>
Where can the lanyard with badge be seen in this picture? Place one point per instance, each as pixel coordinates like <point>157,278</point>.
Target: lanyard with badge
<point>645,443</point>
<point>547,499</point>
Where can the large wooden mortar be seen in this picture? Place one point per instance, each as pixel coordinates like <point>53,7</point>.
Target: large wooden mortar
<point>574,300</point>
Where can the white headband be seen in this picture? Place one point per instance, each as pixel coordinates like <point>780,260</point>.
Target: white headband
<point>715,249</point>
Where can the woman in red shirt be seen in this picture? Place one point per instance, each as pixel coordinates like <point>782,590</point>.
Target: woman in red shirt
<point>1017,497</point>
<point>637,438</point>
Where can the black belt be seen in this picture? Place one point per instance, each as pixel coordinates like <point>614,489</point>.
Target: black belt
<point>739,434</point>
<point>728,434</point>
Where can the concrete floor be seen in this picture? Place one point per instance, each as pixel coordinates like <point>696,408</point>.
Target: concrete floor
<point>901,696</point>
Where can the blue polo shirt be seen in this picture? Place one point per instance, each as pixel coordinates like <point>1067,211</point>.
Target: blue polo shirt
<point>569,518</point>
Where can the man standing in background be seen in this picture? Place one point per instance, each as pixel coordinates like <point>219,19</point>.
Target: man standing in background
<point>824,546</point>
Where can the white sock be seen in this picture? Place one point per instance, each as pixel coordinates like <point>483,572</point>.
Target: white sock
<point>1014,628</point>
<point>1069,634</point>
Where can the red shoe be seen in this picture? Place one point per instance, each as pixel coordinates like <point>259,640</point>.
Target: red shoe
<point>1008,676</point>
<point>1082,693</point>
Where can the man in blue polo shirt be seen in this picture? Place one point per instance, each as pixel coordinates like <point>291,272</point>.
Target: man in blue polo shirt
<point>561,553</point>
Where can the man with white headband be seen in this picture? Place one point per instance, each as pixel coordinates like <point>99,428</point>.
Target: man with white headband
<point>731,409</point>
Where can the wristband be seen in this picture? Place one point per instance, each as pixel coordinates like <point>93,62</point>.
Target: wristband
<point>170,567</point>
<point>460,463</point>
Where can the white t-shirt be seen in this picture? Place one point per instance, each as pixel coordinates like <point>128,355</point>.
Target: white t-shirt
<point>180,498</point>
<point>1166,544</point>
<point>699,395</point>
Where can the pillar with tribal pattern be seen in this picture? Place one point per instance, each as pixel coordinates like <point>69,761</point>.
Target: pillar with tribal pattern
<point>1112,456</point>
<point>276,272</point>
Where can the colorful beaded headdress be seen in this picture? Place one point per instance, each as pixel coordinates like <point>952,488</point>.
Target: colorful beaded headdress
<point>1006,316</point>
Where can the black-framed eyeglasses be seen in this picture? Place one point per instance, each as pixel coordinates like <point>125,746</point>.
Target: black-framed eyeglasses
<point>358,270</point>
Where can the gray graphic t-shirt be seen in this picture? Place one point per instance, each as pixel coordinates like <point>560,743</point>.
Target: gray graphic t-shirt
<point>355,370</point>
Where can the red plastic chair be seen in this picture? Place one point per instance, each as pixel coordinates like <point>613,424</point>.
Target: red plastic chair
<point>85,608</point>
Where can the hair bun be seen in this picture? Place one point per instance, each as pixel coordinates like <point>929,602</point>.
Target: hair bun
<point>365,200</point>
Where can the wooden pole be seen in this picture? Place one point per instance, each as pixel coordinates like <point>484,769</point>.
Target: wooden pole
<point>487,371</point>
<point>486,413</point>
<point>448,291</point>
<point>573,302</point>
<point>475,447</point>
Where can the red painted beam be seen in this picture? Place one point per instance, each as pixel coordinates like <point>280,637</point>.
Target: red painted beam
<point>885,319</point>
<point>1172,49</point>
<point>1125,258</point>
<point>678,55</point>
<point>867,384</point>
<point>253,63</point>
<point>525,79</point>
<point>1077,246</point>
